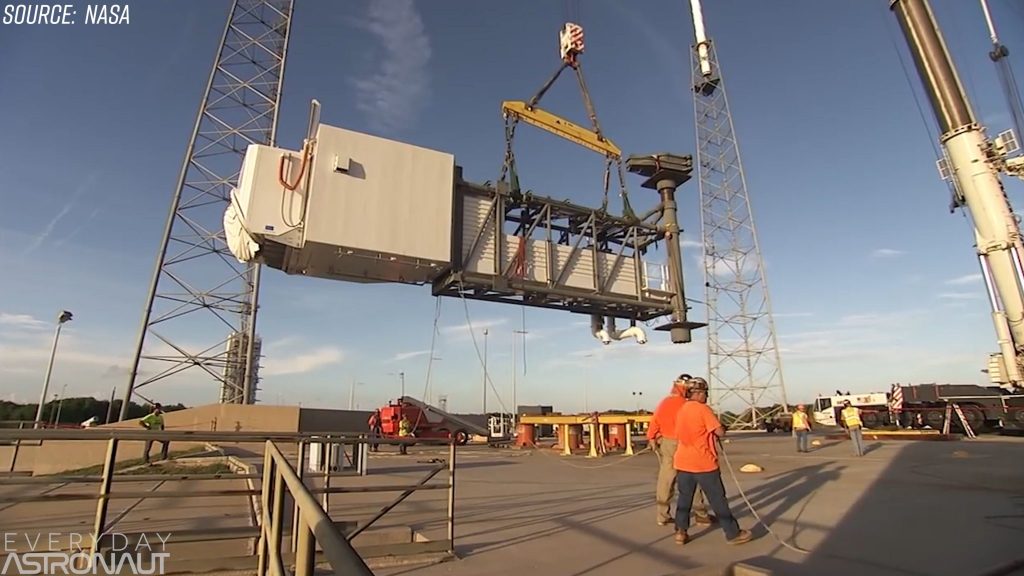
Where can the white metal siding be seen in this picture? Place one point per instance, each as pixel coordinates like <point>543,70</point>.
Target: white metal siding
<point>580,274</point>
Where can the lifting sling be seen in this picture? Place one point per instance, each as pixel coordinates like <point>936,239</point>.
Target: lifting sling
<point>571,42</point>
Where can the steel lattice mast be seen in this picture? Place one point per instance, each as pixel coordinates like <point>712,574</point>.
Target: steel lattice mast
<point>201,309</point>
<point>744,367</point>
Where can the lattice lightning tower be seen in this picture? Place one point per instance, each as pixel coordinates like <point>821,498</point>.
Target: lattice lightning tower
<point>200,314</point>
<point>744,367</point>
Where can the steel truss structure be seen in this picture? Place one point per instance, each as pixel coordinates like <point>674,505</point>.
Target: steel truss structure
<point>553,223</point>
<point>198,289</point>
<point>743,354</point>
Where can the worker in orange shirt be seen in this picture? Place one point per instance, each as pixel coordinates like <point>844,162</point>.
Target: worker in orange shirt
<point>696,464</point>
<point>661,434</point>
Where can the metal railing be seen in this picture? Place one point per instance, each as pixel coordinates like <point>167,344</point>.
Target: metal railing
<point>311,523</point>
<point>314,526</point>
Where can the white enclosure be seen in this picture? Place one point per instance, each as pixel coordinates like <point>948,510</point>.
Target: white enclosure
<point>365,209</point>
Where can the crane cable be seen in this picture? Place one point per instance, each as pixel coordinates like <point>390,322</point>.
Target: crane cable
<point>728,465</point>
<point>753,511</point>
<point>508,168</point>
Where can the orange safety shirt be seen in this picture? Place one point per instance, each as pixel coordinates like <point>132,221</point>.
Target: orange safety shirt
<point>663,422</point>
<point>695,427</point>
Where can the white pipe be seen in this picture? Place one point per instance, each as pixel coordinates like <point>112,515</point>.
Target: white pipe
<point>698,22</point>
<point>988,20</point>
<point>597,329</point>
<point>631,332</point>
<point>701,38</point>
<point>608,333</point>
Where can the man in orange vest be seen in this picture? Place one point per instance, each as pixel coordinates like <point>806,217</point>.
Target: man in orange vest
<point>696,463</point>
<point>661,435</point>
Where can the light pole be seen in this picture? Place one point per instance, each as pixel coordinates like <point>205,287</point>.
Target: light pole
<point>485,371</point>
<point>60,404</point>
<point>515,405</point>
<point>586,386</point>
<point>352,394</point>
<point>638,396</point>
<point>401,381</point>
<point>65,316</point>
<point>110,407</point>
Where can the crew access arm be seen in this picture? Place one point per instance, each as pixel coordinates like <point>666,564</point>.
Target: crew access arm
<point>975,165</point>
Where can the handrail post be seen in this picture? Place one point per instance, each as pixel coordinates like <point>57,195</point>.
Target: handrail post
<point>300,471</point>
<point>264,543</point>
<point>451,496</point>
<point>103,503</point>
<point>364,455</point>
<point>328,451</point>
<point>305,555</point>
<point>17,446</point>
<point>277,520</point>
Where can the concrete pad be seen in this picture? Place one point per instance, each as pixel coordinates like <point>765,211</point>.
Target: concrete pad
<point>904,509</point>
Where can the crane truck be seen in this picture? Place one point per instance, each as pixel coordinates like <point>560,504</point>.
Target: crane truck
<point>920,406</point>
<point>972,164</point>
<point>924,405</point>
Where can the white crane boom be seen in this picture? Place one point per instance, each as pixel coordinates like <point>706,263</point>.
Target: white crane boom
<point>974,163</point>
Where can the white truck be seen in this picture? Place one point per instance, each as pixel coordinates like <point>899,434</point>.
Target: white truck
<point>874,408</point>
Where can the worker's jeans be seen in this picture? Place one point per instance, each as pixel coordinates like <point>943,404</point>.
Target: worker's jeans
<point>375,433</point>
<point>711,483</point>
<point>857,436</point>
<point>802,436</point>
<point>163,450</point>
<point>667,483</point>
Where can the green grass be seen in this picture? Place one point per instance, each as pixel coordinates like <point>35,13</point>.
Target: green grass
<point>97,469</point>
<point>178,469</point>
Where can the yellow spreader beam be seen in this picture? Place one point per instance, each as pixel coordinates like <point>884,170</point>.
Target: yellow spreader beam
<point>561,127</point>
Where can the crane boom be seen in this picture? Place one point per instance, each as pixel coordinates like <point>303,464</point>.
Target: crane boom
<point>974,163</point>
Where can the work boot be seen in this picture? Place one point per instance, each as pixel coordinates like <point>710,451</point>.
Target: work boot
<point>742,538</point>
<point>681,536</point>
<point>704,519</point>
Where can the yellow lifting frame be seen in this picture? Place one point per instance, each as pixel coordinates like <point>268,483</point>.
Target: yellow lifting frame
<point>561,127</point>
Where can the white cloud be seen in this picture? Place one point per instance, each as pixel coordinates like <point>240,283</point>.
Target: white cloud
<point>394,94</point>
<point>282,343</point>
<point>21,321</point>
<point>965,279</point>
<point>880,319</point>
<point>686,241</point>
<point>887,253</point>
<point>407,355</point>
<point>960,295</point>
<point>47,230</point>
<point>462,330</point>
<point>301,363</point>
<point>22,358</point>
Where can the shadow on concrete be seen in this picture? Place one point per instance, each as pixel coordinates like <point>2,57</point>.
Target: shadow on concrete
<point>930,512</point>
<point>784,491</point>
<point>424,467</point>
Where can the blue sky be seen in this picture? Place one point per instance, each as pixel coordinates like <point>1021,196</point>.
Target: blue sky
<point>872,280</point>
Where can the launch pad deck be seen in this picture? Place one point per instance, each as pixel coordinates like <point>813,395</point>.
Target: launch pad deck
<point>534,511</point>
